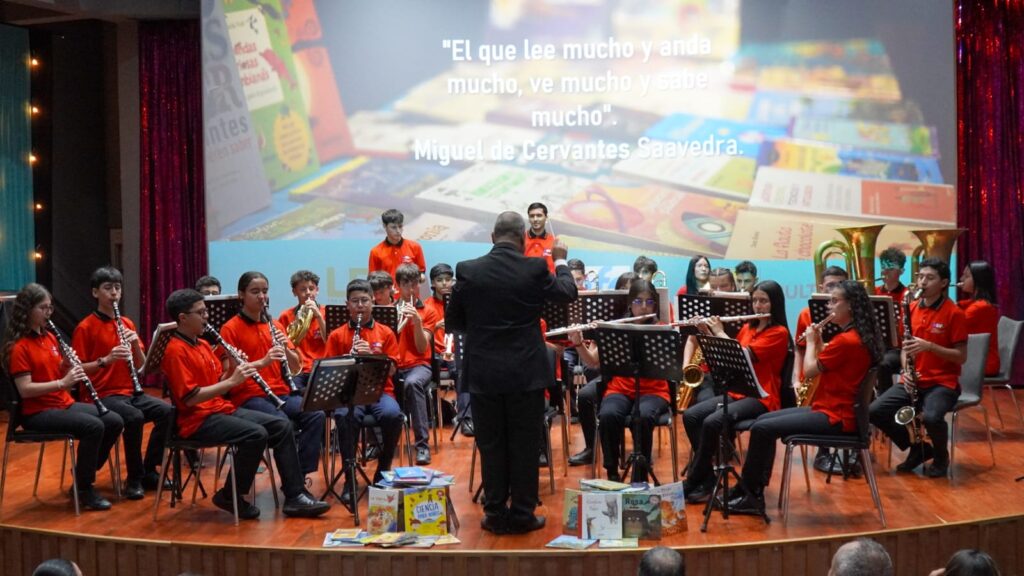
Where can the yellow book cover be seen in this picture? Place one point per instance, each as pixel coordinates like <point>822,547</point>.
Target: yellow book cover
<point>426,510</point>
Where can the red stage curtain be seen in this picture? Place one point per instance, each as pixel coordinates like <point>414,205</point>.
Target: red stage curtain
<point>173,221</point>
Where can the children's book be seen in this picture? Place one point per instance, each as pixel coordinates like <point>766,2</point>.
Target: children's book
<point>426,510</point>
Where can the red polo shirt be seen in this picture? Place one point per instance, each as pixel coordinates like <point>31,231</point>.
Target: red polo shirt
<point>254,340</point>
<point>436,307</point>
<point>94,337</point>
<point>388,257</point>
<point>768,353</point>
<point>843,363</point>
<point>540,247</point>
<point>983,318</point>
<point>944,324</point>
<point>380,338</point>
<point>189,365</point>
<point>313,346</point>
<point>39,356</point>
<point>408,357</point>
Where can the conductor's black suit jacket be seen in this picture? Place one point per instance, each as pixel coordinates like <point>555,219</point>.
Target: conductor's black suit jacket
<point>496,303</point>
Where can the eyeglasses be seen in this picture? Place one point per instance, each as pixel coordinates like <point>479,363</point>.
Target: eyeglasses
<point>360,301</point>
<point>200,312</point>
<point>642,302</point>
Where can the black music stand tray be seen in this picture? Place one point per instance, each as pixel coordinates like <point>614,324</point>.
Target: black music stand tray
<point>348,381</point>
<point>732,370</point>
<point>639,351</point>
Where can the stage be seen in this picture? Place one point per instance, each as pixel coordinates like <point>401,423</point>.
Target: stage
<point>928,519</point>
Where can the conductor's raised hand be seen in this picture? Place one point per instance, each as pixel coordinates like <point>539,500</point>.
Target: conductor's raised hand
<point>560,251</point>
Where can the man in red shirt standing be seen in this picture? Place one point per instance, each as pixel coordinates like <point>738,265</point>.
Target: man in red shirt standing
<point>395,250</point>
<point>538,241</point>
<point>938,348</point>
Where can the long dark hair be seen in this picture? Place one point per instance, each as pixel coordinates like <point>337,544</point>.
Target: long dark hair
<point>971,562</point>
<point>28,298</point>
<point>777,299</point>
<point>638,286</point>
<point>863,318</point>
<point>984,276</point>
<point>691,274</point>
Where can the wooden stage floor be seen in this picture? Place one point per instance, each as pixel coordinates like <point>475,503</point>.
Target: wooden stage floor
<point>981,506</point>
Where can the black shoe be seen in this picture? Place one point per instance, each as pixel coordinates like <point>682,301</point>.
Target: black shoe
<point>151,479</point>
<point>938,468</point>
<point>613,474</point>
<point>752,504</point>
<point>582,458</point>
<point>536,524</point>
<point>542,460</point>
<point>918,454</point>
<point>134,491</point>
<point>698,493</point>
<point>494,525</point>
<point>91,500</point>
<point>422,455</point>
<point>246,511</point>
<point>467,428</point>
<point>372,452</point>
<point>822,462</point>
<point>302,506</point>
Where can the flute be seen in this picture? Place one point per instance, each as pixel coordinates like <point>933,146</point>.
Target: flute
<point>592,325</point>
<point>136,386</point>
<point>803,337</point>
<point>69,353</point>
<point>723,319</point>
<point>236,356</point>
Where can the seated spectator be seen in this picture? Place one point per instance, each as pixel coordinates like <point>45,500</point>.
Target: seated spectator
<point>968,562</point>
<point>662,561</point>
<point>861,557</point>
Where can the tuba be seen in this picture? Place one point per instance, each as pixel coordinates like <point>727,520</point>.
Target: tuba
<point>298,329</point>
<point>934,244</point>
<point>858,250</point>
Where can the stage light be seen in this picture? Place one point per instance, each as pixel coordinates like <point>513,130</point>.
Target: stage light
<point>34,62</point>
<point>37,255</point>
<point>32,158</point>
<point>39,207</point>
<point>35,110</point>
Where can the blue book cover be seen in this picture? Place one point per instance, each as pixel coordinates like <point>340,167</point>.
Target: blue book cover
<point>829,159</point>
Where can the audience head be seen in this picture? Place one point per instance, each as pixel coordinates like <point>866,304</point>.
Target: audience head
<point>862,557</point>
<point>662,561</point>
<point>970,562</point>
<point>57,567</point>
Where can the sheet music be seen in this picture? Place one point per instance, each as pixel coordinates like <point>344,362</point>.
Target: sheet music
<point>157,346</point>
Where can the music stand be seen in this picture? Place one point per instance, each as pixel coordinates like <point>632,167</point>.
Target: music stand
<point>221,308</point>
<point>639,351</point>
<point>731,367</point>
<point>718,304</point>
<point>348,381</point>
<point>881,306</point>
<point>337,314</point>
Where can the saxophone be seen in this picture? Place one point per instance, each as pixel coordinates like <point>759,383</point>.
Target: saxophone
<point>908,415</point>
<point>693,377</point>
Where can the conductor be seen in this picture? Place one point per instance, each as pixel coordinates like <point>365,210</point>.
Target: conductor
<point>496,304</point>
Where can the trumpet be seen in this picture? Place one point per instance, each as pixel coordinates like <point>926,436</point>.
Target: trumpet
<point>69,353</point>
<point>724,319</point>
<point>592,325</point>
<point>237,358</point>
<point>402,306</point>
<point>297,330</point>
<point>803,337</point>
<point>278,339</point>
<point>119,323</point>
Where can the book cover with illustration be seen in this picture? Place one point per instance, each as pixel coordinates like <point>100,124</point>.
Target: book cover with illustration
<point>730,177</point>
<point>673,508</point>
<point>381,182</point>
<point>600,515</point>
<point>641,515</point>
<point>748,136</point>
<point>426,510</point>
<point>383,510</point>
<point>847,197</point>
<point>263,55</point>
<point>830,159</point>
<point>913,139</point>
<point>571,512</point>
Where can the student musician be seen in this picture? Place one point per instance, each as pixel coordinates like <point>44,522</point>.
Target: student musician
<point>197,387</point>
<point>249,331</point>
<point>538,241</point>
<point>720,280</point>
<point>768,341</point>
<point>840,366</point>
<point>442,278</point>
<point>892,260</point>
<point>312,345</point>
<point>108,352</point>
<point>698,275</point>
<point>746,276</point>
<point>383,286</point>
<point>938,348</point>
<point>394,250</point>
<point>579,273</point>
<point>978,283</point>
<point>374,338</point>
<point>415,347</point>
<point>32,357</point>
<point>208,286</point>
<point>620,394</point>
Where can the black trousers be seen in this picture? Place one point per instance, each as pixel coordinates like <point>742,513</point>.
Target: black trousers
<point>95,435</point>
<point>136,411</point>
<point>586,402</point>
<point>509,435</point>
<point>615,408</point>
<point>308,427</point>
<point>764,437</point>
<point>890,365</point>
<point>251,432</point>
<point>933,404</point>
<point>704,422</point>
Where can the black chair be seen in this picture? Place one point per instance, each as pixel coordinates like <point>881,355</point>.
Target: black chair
<point>667,419</point>
<point>174,446</point>
<point>17,435</point>
<point>859,440</point>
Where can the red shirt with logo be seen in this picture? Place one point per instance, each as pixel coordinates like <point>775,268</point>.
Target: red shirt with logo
<point>313,346</point>
<point>388,257</point>
<point>94,337</point>
<point>190,365</point>
<point>768,352</point>
<point>983,318</point>
<point>843,362</point>
<point>39,355</point>
<point>944,324</point>
<point>540,247</point>
<point>436,307</point>
<point>408,357</point>
<point>379,336</point>
<point>254,340</point>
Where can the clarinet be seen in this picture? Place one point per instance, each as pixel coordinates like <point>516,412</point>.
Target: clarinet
<point>277,338</point>
<point>237,357</point>
<point>69,353</point>
<point>356,337</point>
<point>119,322</point>
<point>908,415</point>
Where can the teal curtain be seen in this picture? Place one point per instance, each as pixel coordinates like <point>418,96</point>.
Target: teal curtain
<point>17,228</point>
